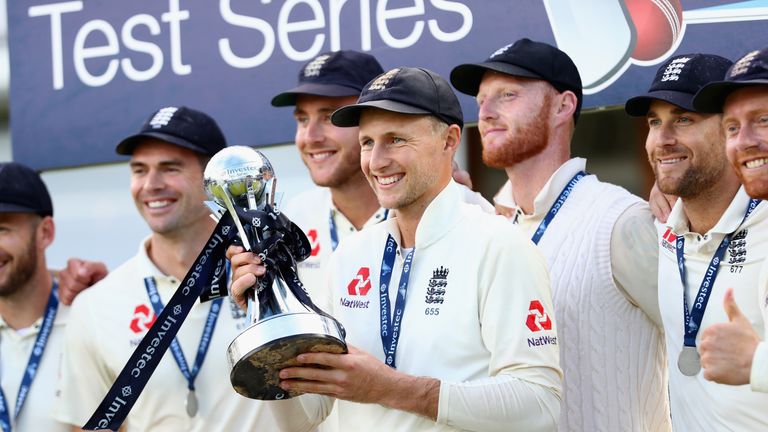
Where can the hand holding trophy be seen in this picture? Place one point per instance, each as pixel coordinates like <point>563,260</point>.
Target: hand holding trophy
<point>284,321</point>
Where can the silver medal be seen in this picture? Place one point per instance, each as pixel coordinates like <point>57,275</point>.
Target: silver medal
<point>191,403</point>
<point>689,361</point>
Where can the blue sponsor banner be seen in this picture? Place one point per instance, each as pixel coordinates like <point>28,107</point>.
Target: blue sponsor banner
<point>85,74</point>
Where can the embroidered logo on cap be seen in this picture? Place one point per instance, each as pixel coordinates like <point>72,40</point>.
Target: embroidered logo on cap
<point>314,67</point>
<point>743,64</point>
<point>500,51</point>
<point>382,81</point>
<point>163,117</point>
<point>674,69</point>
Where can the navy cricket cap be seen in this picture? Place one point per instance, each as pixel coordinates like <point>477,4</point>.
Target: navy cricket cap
<point>678,80</point>
<point>185,127</point>
<point>750,70</point>
<point>23,191</point>
<point>332,74</point>
<point>524,58</point>
<point>405,90</point>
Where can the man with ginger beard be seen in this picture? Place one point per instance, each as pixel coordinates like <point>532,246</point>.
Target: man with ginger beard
<point>714,238</point>
<point>599,240</point>
<point>734,352</point>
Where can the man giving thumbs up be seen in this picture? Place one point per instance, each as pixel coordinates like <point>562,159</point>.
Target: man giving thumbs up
<point>727,348</point>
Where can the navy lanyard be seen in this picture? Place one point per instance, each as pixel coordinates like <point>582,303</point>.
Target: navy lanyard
<point>558,204</point>
<point>33,363</point>
<point>693,316</point>
<point>205,339</point>
<point>334,232</point>
<point>390,325</point>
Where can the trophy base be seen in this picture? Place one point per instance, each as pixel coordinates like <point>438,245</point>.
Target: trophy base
<point>259,353</point>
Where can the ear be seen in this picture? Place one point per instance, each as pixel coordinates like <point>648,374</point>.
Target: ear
<point>46,232</point>
<point>452,139</point>
<point>565,106</point>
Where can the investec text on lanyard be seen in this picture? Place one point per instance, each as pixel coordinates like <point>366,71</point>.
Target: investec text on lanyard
<point>689,361</point>
<point>391,323</point>
<point>33,363</point>
<point>558,204</point>
<point>178,354</point>
<point>335,233</point>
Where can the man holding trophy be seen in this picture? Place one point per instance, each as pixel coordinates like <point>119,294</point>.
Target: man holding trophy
<point>476,347</point>
<point>190,392</point>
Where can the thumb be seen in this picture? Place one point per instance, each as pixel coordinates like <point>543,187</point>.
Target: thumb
<point>731,308</point>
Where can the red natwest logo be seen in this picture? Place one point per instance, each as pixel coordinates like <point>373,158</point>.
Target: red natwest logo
<point>669,236</point>
<point>143,319</point>
<point>538,320</point>
<point>361,284</point>
<point>314,242</point>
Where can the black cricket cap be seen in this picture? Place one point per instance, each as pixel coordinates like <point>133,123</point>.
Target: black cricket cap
<point>678,80</point>
<point>185,127</point>
<point>405,90</point>
<point>750,70</point>
<point>23,191</point>
<point>332,74</point>
<point>524,58</point>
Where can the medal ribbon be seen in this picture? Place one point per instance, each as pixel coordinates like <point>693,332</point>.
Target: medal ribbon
<point>283,244</point>
<point>205,339</point>
<point>693,317</point>
<point>556,206</point>
<point>390,324</point>
<point>33,363</point>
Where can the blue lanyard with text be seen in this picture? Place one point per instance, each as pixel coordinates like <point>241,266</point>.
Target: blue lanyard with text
<point>334,232</point>
<point>205,339</point>
<point>390,324</point>
<point>556,207</point>
<point>34,361</point>
<point>693,316</point>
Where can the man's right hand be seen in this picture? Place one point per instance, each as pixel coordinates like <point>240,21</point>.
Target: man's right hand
<point>246,268</point>
<point>77,276</point>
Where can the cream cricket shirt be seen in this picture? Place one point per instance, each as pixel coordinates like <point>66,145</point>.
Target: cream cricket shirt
<point>759,375</point>
<point>106,323</point>
<point>312,210</point>
<point>477,306</point>
<point>15,348</point>
<point>698,404</point>
<point>602,257</point>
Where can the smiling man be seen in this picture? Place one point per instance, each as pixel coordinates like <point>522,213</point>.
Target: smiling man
<point>31,319</point>
<point>343,202</point>
<point>598,238</point>
<point>732,352</point>
<point>168,157</point>
<point>715,238</point>
<point>458,333</point>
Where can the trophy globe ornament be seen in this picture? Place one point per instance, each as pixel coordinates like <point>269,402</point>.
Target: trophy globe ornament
<point>283,320</point>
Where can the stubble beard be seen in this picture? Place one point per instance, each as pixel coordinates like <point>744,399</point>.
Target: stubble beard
<point>22,273</point>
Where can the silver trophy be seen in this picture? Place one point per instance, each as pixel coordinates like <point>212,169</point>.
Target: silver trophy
<point>282,326</point>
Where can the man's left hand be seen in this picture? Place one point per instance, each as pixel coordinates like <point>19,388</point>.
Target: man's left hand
<point>357,376</point>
